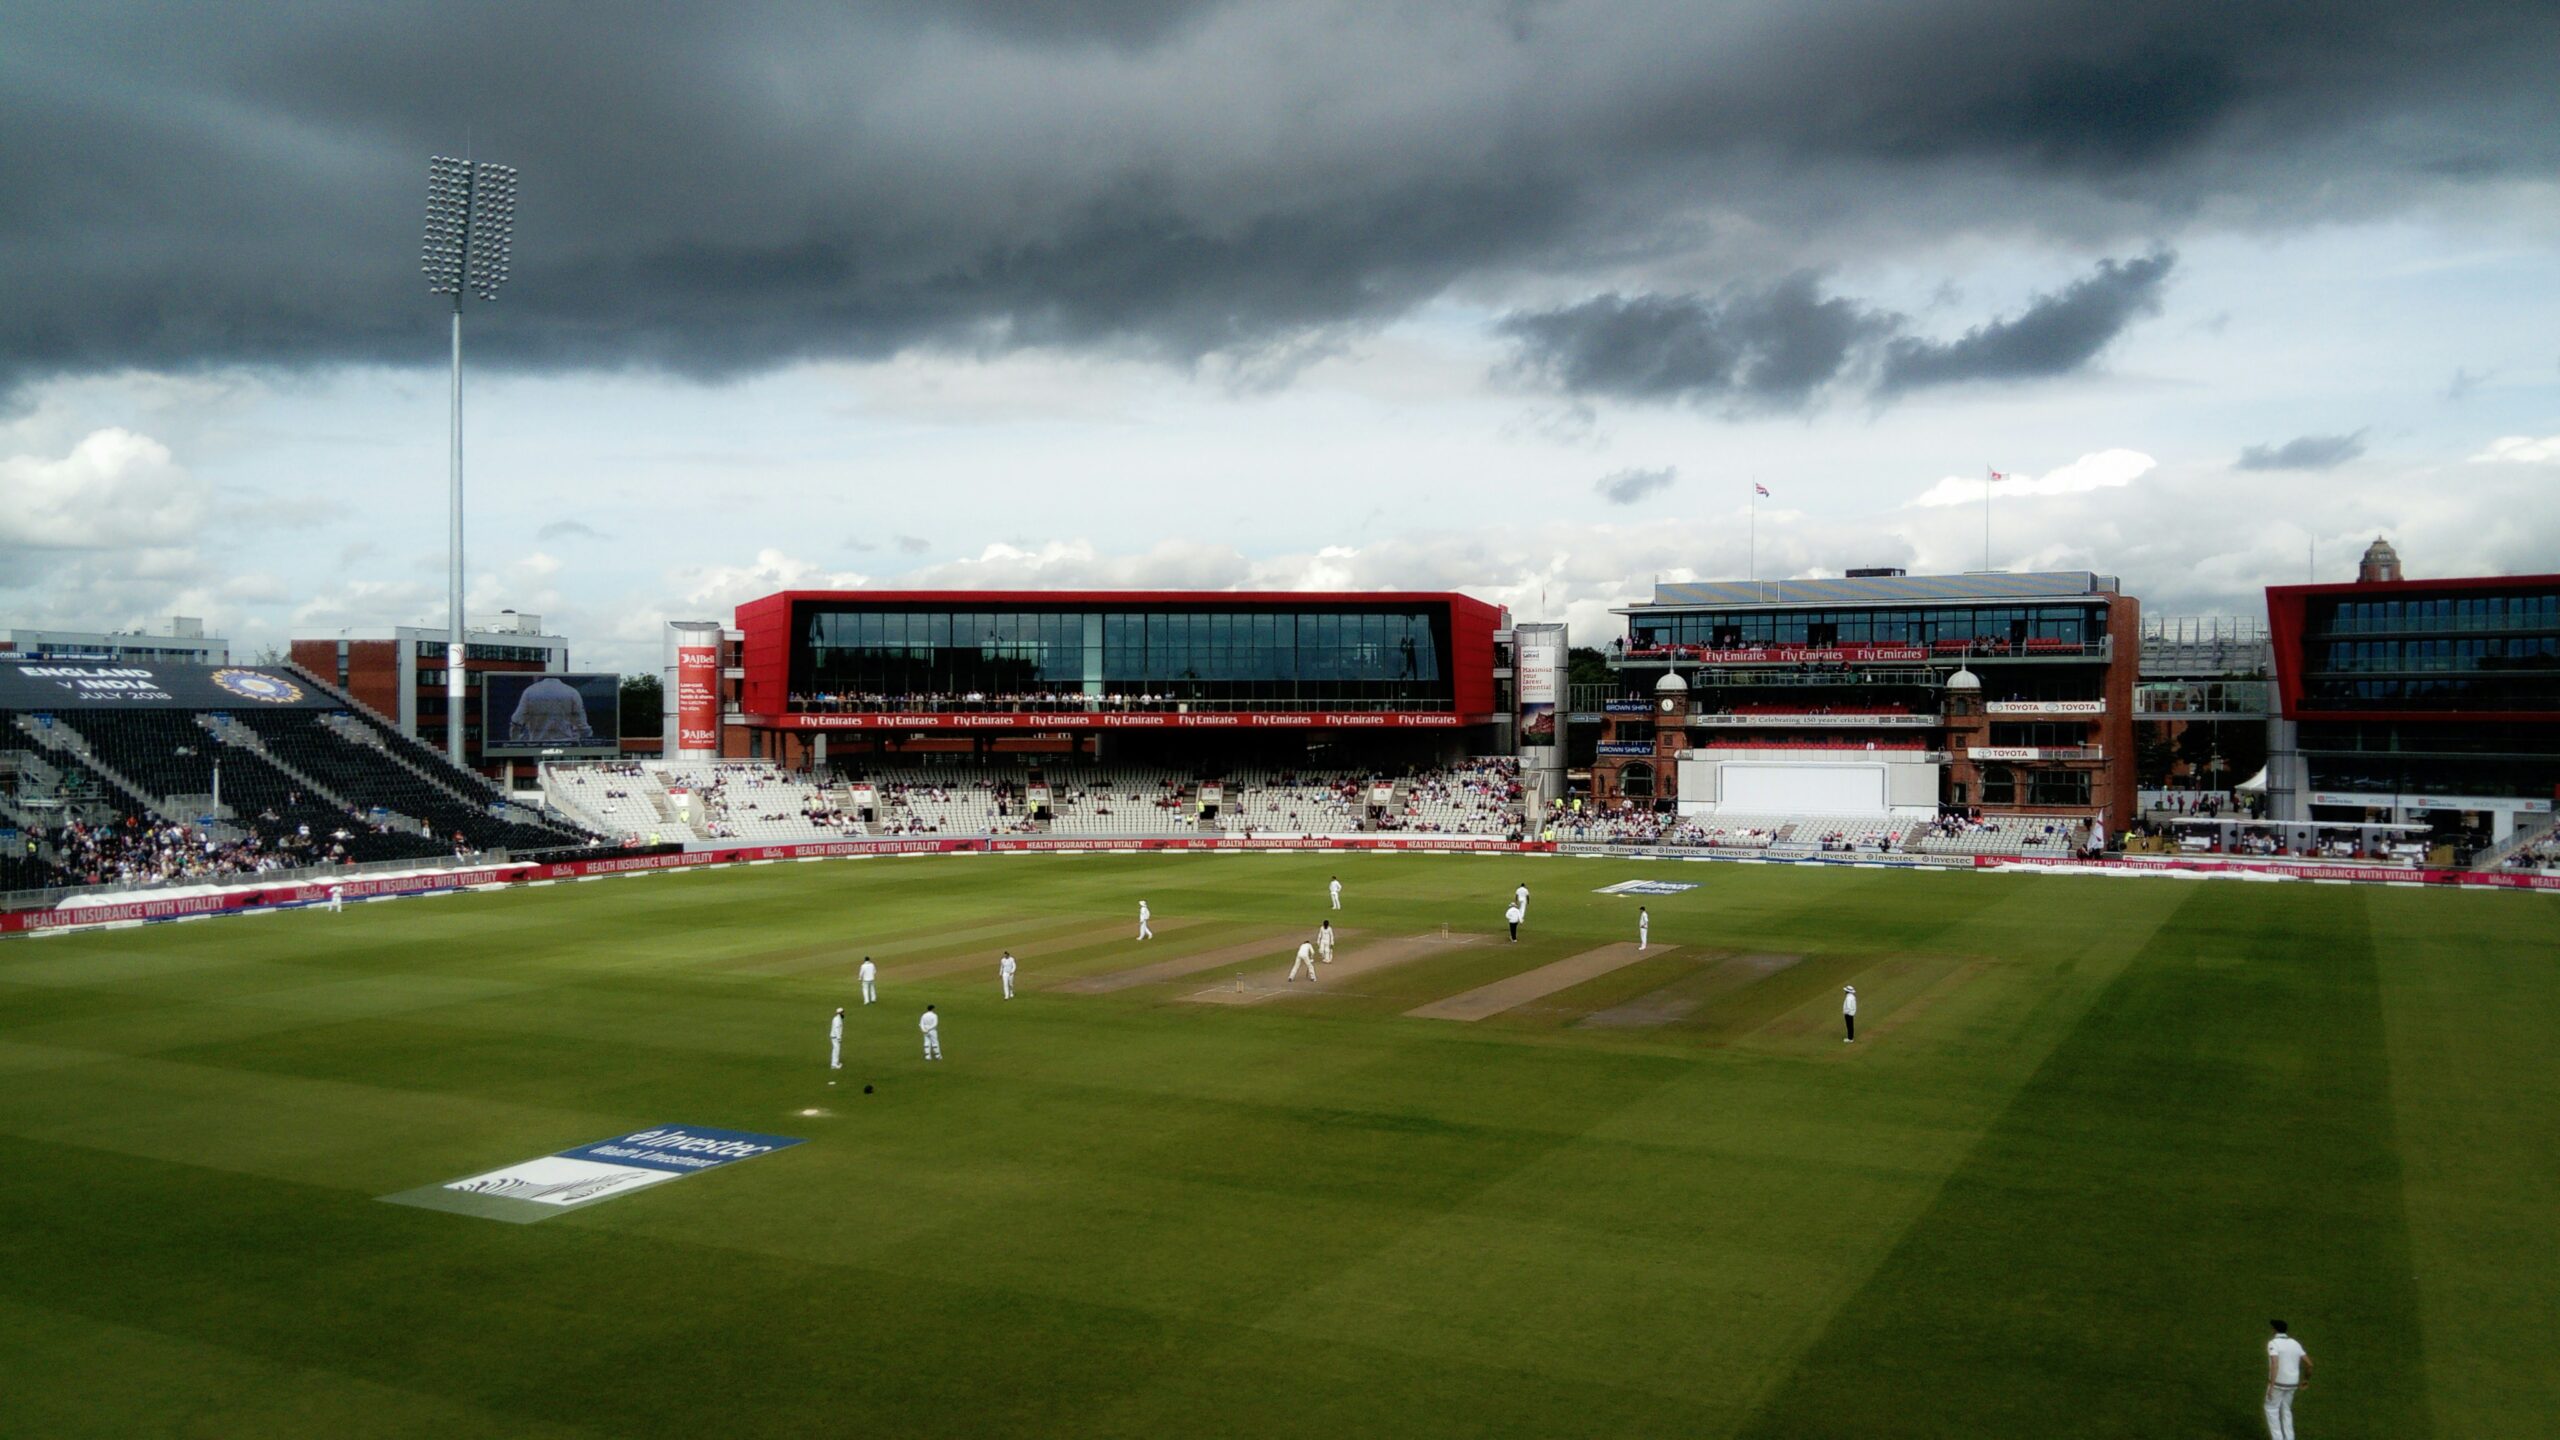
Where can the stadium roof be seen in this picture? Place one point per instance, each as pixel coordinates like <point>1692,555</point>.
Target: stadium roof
<point>1882,589</point>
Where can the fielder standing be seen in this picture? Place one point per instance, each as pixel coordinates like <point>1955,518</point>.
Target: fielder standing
<point>1333,888</point>
<point>1004,972</point>
<point>1849,1013</point>
<point>1324,942</point>
<point>1143,912</point>
<point>2288,1370</point>
<point>1520,897</point>
<point>870,974</point>
<point>835,1041</point>
<point>931,1025</point>
<point>1644,927</point>
<point>1306,961</point>
<point>337,898</point>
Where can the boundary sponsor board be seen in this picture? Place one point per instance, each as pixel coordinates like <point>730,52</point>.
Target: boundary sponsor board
<point>255,897</point>
<point>547,1185</point>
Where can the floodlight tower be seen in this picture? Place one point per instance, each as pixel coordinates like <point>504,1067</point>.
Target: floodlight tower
<point>471,220</point>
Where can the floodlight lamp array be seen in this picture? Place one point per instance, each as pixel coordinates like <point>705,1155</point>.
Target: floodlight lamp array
<point>470,230</point>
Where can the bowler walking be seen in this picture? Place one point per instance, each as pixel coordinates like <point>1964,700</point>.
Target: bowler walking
<point>1143,913</point>
<point>1004,972</point>
<point>2288,1370</point>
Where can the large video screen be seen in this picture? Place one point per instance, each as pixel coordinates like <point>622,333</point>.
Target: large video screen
<point>535,714</point>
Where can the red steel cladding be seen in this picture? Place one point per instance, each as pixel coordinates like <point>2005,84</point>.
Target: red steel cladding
<point>2288,610</point>
<point>697,697</point>
<point>765,655</point>
<point>1118,720</point>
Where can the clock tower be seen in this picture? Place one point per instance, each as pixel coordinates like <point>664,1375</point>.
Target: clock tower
<point>1670,734</point>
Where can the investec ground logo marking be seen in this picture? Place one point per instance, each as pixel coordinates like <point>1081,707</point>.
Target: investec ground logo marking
<point>547,1185</point>
<point>1644,887</point>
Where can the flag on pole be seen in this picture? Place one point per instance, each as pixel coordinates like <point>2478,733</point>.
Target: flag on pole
<point>1997,477</point>
<point>1759,489</point>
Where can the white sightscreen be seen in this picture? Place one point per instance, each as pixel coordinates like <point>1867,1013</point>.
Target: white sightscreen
<point>1781,789</point>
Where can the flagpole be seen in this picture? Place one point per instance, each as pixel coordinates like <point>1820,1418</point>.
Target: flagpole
<point>1751,561</point>
<point>1988,476</point>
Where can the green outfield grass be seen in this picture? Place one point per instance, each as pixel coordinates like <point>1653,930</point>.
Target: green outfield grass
<point>2093,1135</point>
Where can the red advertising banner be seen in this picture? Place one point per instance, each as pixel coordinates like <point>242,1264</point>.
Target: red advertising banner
<point>1121,720</point>
<point>1785,654</point>
<point>698,697</point>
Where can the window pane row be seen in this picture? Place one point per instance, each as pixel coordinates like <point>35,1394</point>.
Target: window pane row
<point>2073,624</point>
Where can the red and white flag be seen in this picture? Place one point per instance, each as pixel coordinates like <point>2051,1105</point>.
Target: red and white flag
<point>1760,489</point>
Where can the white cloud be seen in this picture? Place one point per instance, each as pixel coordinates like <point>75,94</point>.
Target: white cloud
<point>1080,564</point>
<point>2101,470</point>
<point>2520,450</point>
<point>114,488</point>
<point>712,591</point>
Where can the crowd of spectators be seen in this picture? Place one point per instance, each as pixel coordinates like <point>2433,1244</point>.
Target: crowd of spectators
<point>1072,800</point>
<point>142,852</point>
<point>732,795</point>
<point>1627,826</point>
<point>2540,854</point>
<point>1472,797</point>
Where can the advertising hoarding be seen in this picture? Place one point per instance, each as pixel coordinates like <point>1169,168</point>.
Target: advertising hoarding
<point>1540,657</point>
<point>697,699</point>
<point>113,685</point>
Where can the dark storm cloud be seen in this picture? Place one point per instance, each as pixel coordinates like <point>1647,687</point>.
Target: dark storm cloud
<point>2304,452</point>
<point>2056,335</point>
<point>1763,349</point>
<point>1626,487</point>
<point>1781,348</point>
<point>717,190</point>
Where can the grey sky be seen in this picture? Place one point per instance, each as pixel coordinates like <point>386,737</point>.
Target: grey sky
<point>1253,283</point>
